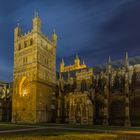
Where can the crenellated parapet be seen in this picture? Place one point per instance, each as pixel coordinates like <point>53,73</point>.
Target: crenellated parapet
<point>76,66</point>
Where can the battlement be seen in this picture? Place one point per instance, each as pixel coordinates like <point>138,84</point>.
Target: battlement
<point>76,66</point>
<point>22,39</point>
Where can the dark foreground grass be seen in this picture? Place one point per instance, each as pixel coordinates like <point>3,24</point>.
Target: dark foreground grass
<point>70,137</point>
<point>57,135</point>
<point>9,126</point>
<point>63,134</point>
<point>65,137</point>
<point>99,127</point>
<point>51,134</point>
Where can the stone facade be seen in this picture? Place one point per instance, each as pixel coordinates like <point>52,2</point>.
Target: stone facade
<point>112,95</point>
<point>5,101</point>
<point>76,96</point>
<point>34,82</point>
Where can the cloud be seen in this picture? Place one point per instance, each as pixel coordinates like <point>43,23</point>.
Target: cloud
<point>94,29</point>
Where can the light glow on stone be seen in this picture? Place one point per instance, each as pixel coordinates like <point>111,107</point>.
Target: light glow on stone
<point>24,92</point>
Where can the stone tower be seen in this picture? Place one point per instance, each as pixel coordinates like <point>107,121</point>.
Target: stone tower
<point>34,75</point>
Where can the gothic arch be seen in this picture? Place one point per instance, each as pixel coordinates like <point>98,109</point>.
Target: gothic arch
<point>83,86</point>
<point>78,113</point>
<point>118,83</point>
<point>31,41</point>
<point>117,112</point>
<point>23,85</point>
<point>135,81</point>
<point>134,111</point>
<point>99,105</point>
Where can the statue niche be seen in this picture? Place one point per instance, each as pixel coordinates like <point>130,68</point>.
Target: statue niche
<point>118,84</point>
<point>83,86</point>
<point>101,85</point>
<point>78,114</point>
<point>135,81</point>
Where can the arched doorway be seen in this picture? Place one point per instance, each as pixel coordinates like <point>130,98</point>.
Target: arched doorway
<point>135,111</point>
<point>24,86</point>
<point>117,112</point>
<point>99,105</point>
<point>78,114</point>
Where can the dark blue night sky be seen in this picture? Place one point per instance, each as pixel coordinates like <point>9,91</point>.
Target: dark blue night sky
<point>94,29</point>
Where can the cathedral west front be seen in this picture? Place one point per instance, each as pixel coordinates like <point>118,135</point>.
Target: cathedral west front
<point>77,94</point>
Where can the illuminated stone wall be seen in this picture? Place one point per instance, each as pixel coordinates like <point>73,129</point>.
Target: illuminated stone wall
<point>76,95</point>
<point>79,108</point>
<point>34,75</point>
<point>76,66</point>
<point>113,94</point>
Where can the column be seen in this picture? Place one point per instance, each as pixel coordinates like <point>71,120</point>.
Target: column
<point>127,109</point>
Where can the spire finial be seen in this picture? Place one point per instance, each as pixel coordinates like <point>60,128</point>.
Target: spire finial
<point>126,59</point>
<point>126,55</point>
<point>109,60</point>
<point>83,62</point>
<point>53,30</point>
<point>62,60</point>
<point>77,56</point>
<point>36,14</point>
<point>18,23</point>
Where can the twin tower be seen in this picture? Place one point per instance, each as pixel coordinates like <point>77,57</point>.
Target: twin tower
<point>34,75</point>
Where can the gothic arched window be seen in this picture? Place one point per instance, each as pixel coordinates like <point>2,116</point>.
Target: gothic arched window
<point>135,80</point>
<point>25,44</point>
<point>19,47</point>
<point>101,85</point>
<point>31,41</point>
<point>83,86</point>
<point>78,113</point>
<point>118,83</point>
<point>84,111</point>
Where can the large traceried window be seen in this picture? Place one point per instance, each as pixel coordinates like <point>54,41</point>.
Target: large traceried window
<point>118,83</point>
<point>83,86</point>
<point>135,80</point>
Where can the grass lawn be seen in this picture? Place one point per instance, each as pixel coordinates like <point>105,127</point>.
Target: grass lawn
<point>50,134</point>
<point>99,127</point>
<point>8,126</point>
<point>61,134</point>
<point>65,137</point>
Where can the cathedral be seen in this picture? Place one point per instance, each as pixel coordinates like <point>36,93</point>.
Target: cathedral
<point>88,96</point>
<point>77,94</point>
